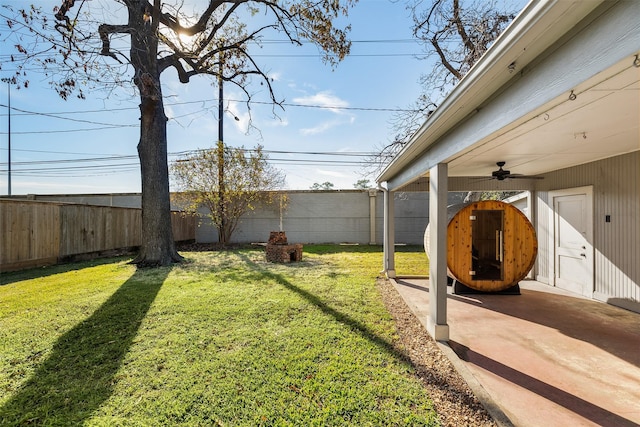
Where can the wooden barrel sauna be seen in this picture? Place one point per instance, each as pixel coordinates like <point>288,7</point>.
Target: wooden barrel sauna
<point>491,246</point>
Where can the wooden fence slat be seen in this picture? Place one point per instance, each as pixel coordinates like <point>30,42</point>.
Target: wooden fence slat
<point>41,233</point>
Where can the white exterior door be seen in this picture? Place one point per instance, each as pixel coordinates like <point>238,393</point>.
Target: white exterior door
<point>573,229</point>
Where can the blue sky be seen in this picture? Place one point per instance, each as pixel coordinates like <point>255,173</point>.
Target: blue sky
<point>382,73</point>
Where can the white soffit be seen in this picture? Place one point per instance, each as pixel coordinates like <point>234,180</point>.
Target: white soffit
<point>602,121</point>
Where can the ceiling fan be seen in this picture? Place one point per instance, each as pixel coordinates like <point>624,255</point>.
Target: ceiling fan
<point>502,174</point>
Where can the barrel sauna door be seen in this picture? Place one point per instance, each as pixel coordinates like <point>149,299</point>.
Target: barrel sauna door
<point>487,253</point>
<point>491,246</point>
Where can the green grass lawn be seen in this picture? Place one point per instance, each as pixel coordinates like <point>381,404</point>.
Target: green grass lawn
<point>226,339</point>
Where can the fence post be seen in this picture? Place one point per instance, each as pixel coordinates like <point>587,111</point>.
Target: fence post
<point>373,193</point>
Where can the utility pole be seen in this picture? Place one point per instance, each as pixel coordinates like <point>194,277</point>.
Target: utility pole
<point>9,139</point>
<point>221,233</point>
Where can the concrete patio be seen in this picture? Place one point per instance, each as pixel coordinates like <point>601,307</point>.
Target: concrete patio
<point>545,357</point>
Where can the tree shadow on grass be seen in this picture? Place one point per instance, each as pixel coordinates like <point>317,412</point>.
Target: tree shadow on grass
<point>79,374</point>
<point>362,329</point>
<point>8,278</point>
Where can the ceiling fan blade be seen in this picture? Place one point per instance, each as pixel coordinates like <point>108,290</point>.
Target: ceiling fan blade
<point>523,177</point>
<point>502,174</point>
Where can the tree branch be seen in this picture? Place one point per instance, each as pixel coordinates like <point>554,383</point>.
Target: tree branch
<point>443,58</point>
<point>61,15</point>
<point>419,25</point>
<point>460,27</point>
<point>105,30</point>
<point>173,61</point>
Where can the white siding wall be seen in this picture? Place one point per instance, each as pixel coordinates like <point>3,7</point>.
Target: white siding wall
<point>543,228</point>
<point>616,192</point>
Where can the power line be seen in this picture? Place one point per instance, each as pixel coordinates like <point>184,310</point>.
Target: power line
<point>329,107</point>
<point>351,55</point>
<point>382,41</point>
<point>320,153</point>
<point>107,126</point>
<point>94,159</point>
<point>63,152</point>
<point>40,175</point>
<point>119,167</point>
<point>37,132</point>
<point>18,57</point>
<point>341,154</point>
<point>111,157</point>
<point>301,162</point>
<point>56,116</point>
<point>135,157</point>
<point>91,167</point>
<point>131,167</point>
<point>269,55</point>
<point>213,100</point>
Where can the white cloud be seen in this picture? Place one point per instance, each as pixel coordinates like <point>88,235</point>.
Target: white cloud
<point>322,127</point>
<point>324,99</point>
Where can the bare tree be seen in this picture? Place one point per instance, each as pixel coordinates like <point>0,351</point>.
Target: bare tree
<point>249,181</point>
<point>454,35</point>
<point>137,40</point>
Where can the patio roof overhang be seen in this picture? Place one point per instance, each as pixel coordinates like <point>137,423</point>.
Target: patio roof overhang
<point>560,87</point>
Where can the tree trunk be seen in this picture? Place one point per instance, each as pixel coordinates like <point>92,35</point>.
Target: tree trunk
<point>158,247</point>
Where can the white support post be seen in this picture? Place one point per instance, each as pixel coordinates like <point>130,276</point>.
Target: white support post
<point>389,265</point>
<point>438,187</point>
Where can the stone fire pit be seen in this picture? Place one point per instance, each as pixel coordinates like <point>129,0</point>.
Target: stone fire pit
<point>278,250</point>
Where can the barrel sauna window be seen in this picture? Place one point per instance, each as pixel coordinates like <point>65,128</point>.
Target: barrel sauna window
<point>487,244</point>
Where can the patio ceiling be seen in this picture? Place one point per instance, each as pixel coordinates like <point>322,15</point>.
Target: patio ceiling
<point>559,88</point>
<point>602,121</point>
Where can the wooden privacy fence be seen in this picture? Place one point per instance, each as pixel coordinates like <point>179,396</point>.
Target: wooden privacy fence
<point>41,233</point>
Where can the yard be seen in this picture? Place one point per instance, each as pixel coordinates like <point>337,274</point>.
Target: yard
<point>226,339</point>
